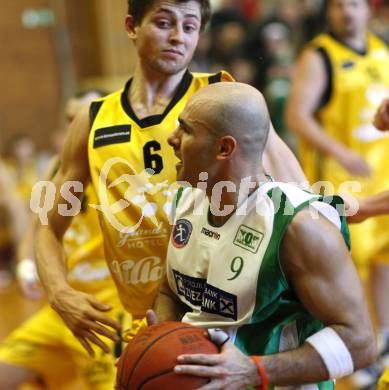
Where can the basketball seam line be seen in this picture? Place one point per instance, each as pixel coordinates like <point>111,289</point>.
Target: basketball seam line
<point>148,347</point>
<point>164,372</point>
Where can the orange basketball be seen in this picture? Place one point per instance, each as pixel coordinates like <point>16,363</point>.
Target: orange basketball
<point>148,360</point>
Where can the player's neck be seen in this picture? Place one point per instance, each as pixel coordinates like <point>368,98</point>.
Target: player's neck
<point>357,42</point>
<point>151,91</point>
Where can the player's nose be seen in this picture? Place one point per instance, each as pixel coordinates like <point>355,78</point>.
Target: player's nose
<point>174,139</point>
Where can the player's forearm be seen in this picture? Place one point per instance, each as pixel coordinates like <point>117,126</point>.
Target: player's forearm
<point>375,205</point>
<point>298,366</point>
<point>305,365</point>
<point>51,262</point>
<point>305,126</point>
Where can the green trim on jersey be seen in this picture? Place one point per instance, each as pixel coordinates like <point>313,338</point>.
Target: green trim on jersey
<point>279,318</point>
<point>277,306</point>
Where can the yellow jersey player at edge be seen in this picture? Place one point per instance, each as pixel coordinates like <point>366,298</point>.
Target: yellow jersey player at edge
<point>121,136</point>
<point>42,348</point>
<point>340,80</point>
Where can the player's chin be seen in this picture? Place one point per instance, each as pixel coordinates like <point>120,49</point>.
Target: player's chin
<point>172,67</point>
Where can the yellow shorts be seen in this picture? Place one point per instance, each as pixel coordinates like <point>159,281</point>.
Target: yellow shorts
<point>44,344</point>
<point>383,383</point>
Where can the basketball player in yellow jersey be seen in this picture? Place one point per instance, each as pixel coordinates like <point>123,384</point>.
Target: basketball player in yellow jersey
<point>340,80</point>
<point>43,347</point>
<point>114,143</point>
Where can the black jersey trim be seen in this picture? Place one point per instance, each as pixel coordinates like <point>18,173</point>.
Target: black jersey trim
<point>362,52</point>
<point>329,72</point>
<point>153,120</point>
<point>215,78</point>
<point>93,111</point>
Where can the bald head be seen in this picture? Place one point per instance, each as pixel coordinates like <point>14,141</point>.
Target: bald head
<point>234,109</point>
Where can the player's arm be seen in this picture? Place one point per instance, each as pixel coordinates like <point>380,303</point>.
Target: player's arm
<point>280,162</point>
<point>308,86</point>
<point>81,312</point>
<point>168,306</point>
<point>370,207</point>
<point>319,267</point>
<point>381,118</point>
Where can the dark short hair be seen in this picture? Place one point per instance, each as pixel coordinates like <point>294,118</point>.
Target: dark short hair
<point>138,9</point>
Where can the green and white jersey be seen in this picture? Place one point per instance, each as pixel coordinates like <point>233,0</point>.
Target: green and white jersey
<point>231,277</point>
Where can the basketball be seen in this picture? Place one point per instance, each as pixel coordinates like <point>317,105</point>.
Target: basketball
<point>148,361</point>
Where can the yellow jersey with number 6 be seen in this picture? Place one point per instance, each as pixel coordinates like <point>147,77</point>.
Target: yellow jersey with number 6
<point>133,170</point>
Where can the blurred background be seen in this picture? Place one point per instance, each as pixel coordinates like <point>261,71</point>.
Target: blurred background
<point>53,48</point>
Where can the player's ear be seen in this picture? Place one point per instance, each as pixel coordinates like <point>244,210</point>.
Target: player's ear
<point>130,26</point>
<point>226,147</point>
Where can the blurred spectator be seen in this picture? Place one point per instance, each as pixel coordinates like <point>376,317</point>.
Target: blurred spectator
<point>380,19</point>
<point>12,220</point>
<point>21,159</point>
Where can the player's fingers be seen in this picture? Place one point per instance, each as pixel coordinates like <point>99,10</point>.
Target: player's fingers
<point>199,358</point>
<point>97,341</point>
<point>86,346</point>
<point>97,328</point>
<point>151,317</point>
<point>198,370</point>
<point>98,305</point>
<point>96,316</point>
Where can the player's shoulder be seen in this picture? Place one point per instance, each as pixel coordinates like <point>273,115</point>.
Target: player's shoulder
<point>211,78</point>
<point>376,42</point>
<point>290,198</point>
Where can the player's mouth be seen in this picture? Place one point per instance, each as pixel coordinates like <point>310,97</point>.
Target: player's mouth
<point>180,163</point>
<point>173,53</point>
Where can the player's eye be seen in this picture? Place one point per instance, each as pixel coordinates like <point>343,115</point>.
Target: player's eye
<point>163,23</point>
<point>188,28</point>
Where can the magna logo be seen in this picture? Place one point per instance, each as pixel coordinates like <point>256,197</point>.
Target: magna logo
<point>210,233</point>
<point>181,233</point>
<point>248,238</point>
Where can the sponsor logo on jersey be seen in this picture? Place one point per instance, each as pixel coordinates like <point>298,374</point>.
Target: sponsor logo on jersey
<point>142,271</point>
<point>248,238</point>
<point>348,64</point>
<point>210,233</point>
<point>209,298</point>
<point>112,135</point>
<point>181,233</point>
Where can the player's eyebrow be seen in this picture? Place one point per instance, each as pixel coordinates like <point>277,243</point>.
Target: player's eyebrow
<point>170,12</point>
<point>183,124</point>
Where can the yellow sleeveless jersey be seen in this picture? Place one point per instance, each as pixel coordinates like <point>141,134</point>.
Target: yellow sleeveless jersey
<point>358,83</point>
<point>133,204</point>
<point>83,244</point>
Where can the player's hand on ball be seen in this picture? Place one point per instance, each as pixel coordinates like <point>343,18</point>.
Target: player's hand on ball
<point>229,370</point>
<point>151,318</point>
<point>83,315</point>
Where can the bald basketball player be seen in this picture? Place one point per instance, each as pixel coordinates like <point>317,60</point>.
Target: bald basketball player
<point>262,260</point>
